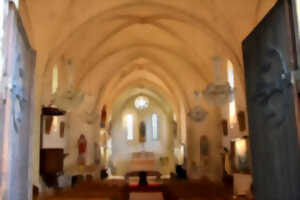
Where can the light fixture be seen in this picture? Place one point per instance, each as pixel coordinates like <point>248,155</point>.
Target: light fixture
<point>141,102</point>
<point>70,97</point>
<point>197,114</point>
<point>218,92</point>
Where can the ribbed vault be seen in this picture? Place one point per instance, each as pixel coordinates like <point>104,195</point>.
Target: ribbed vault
<point>122,45</point>
<point>88,33</point>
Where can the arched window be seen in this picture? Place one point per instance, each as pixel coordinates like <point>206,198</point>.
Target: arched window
<point>232,105</point>
<point>155,127</point>
<point>129,126</point>
<point>54,79</point>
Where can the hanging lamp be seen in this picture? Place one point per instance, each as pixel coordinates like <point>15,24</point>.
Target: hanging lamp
<point>68,98</point>
<point>197,114</point>
<point>218,92</point>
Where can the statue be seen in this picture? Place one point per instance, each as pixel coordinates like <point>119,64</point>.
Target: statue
<point>142,132</point>
<point>82,144</point>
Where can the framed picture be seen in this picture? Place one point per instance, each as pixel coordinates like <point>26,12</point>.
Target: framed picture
<point>242,120</point>
<point>224,124</point>
<point>62,129</point>
<point>240,155</point>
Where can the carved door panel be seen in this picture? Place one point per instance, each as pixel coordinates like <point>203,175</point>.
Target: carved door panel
<point>268,63</point>
<point>19,116</point>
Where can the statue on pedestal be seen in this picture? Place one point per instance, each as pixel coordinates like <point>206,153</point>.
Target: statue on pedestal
<point>82,145</point>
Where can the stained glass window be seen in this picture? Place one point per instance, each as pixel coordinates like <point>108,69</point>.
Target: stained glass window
<point>232,105</point>
<point>54,79</point>
<point>141,102</point>
<point>155,126</point>
<point>129,126</point>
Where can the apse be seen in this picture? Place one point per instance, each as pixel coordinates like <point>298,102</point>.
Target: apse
<point>142,124</point>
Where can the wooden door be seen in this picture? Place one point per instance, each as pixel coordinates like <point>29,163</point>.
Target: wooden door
<point>269,60</point>
<point>18,112</point>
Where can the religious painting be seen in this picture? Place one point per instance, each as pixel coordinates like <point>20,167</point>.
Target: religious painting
<point>97,154</point>
<point>174,128</point>
<point>224,124</point>
<point>62,129</point>
<point>109,129</point>
<point>242,120</point>
<point>103,117</point>
<point>204,149</point>
<point>48,123</point>
<point>240,155</point>
<point>142,131</point>
<point>204,146</point>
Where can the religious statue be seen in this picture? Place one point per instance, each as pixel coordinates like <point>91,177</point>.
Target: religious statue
<point>82,144</point>
<point>142,132</point>
<point>103,117</point>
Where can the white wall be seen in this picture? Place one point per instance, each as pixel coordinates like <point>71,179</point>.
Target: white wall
<point>211,128</point>
<point>77,123</point>
<point>122,148</point>
<point>53,139</point>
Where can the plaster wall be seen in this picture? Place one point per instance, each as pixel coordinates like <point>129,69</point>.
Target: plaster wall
<point>77,125</point>
<point>195,164</point>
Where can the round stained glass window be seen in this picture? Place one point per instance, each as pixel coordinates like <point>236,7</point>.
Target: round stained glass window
<point>141,102</point>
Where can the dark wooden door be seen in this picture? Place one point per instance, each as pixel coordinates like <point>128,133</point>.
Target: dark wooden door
<point>269,60</point>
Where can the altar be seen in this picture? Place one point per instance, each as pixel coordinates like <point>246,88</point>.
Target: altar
<point>143,165</point>
<point>143,161</point>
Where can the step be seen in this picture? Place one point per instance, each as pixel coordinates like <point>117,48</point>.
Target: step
<point>146,196</point>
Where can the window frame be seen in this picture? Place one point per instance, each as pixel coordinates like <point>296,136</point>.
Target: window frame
<point>232,105</point>
<point>128,128</point>
<point>55,79</point>
<point>157,127</point>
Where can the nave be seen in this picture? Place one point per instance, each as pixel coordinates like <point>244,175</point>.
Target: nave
<point>203,95</point>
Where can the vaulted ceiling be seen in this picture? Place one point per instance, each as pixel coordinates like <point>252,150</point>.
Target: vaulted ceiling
<point>121,44</point>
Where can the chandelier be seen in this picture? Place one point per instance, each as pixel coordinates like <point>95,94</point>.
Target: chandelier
<point>68,98</point>
<point>141,102</point>
<point>218,92</point>
<point>197,114</point>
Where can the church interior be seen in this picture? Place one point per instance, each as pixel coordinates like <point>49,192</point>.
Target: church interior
<point>141,99</point>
